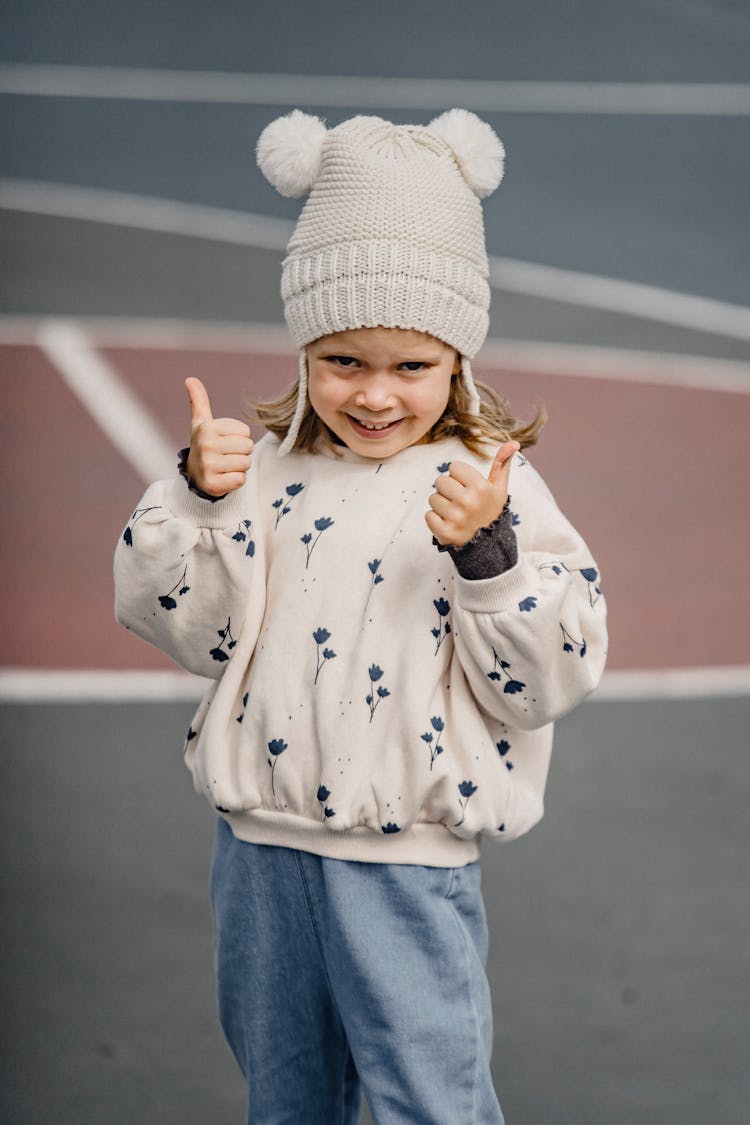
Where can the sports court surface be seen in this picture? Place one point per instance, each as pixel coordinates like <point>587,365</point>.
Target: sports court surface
<point>140,246</point>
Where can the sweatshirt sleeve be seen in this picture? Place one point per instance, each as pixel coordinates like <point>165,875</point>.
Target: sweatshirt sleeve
<point>532,641</point>
<point>186,571</point>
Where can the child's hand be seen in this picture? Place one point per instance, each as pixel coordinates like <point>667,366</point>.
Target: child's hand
<point>465,501</point>
<point>220,448</point>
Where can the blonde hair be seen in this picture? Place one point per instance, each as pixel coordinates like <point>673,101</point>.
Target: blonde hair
<point>495,421</point>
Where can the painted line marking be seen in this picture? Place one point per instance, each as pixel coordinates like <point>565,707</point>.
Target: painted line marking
<point>351,92</point>
<point>628,298</point>
<point>145,212</point>
<point>561,360</point>
<point>674,683</point>
<point>28,685</point>
<point>110,402</point>
<point>190,220</point>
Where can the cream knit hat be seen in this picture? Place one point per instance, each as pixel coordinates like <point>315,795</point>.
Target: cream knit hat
<point>391,233</point>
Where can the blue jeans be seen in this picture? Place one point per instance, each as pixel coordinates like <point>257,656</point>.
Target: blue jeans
<point>335,976</point>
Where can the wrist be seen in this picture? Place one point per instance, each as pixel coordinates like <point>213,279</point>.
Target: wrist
<point>183,457</point>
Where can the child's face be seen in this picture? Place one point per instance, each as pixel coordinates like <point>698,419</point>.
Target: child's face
<point>394,378</point>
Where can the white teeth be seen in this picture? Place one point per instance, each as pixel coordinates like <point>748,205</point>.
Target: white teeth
<point>370,426</point>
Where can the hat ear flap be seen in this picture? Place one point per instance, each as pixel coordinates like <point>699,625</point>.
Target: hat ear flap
<point>289,152</point>
<point>475,145</point>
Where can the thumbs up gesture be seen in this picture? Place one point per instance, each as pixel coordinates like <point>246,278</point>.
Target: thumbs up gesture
<point>220,448</point>
<point>464,500</point>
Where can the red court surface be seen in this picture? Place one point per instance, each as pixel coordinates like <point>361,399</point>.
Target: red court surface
<point>653,476</point>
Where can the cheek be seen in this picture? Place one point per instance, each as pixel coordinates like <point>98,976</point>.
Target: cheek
<point>434,399</point>
<point>321,393</point>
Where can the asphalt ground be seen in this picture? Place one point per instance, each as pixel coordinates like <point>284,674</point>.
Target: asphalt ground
<point>618,953</point>
<point>618,957</point>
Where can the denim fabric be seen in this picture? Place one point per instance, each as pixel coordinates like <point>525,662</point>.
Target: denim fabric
<point>336,975</point>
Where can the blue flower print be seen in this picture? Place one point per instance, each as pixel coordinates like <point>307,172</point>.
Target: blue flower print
<point>127,534</point>
<point>242,536</point>
<point>510,686</point>
<point>437,725</point>
<point>227,639</point>
<point>320,636</point>
<point>323,795</point>
<point>527,605</point>
<point>556,566</point>
<point>166,600</point>
<point>390,828</point>
<point>321,525</point>
<point>467,789</point>
<point>521,460</point>
<point>514,519</point>
<point>375,673</point>
<point>445,467</point>
<point>283,505</point>
<point>591,574</point>
<point>503,746</point>
<point>276,746</point>
<point>570,644</point>
<point>443,628</point>
<point>241,715</point>
<point>373,567</point>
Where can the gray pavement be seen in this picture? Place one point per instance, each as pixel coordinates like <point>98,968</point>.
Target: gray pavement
<point>618,926</point>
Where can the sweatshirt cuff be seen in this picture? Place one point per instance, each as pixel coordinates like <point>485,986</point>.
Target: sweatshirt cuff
<point>500,594</point>
<point>212,514</point>
<point>491,551</point>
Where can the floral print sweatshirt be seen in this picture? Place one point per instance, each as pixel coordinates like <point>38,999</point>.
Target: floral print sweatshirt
<point>368,702</point>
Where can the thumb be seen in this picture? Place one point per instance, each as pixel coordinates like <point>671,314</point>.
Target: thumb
<point>502,460</point>
<point>200,407</point>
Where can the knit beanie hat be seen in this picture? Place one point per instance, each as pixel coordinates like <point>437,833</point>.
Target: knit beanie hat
<point>391,233</point>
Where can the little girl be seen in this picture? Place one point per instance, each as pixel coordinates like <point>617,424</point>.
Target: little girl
<point>389,635</point>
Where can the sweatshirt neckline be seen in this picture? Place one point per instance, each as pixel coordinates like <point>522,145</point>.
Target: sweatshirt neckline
<point>410,455</point>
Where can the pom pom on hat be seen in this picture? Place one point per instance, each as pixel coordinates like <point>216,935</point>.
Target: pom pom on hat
<point>289,152</point>
<point>475,145</point>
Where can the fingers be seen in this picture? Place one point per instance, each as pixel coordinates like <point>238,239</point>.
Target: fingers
<point>200,407</point>
<point>501,465</point>
<point>441,504</point>
<point>465,499</point>
<point>437,526</point>
<point>235,442</point>
<point>220,448</point>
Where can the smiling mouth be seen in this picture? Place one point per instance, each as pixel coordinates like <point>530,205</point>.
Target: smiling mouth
<point>373,429</point>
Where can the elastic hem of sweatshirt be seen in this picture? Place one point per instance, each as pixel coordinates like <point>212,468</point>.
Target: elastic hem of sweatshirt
<point>424,845</point>
<point>215,515</point>
<point>499,594</point>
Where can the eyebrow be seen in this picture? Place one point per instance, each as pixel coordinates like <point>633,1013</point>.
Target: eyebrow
<point>352,353</point>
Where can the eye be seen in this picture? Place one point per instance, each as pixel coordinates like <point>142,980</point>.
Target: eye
<point>413,364</point>
<point>341,360</point>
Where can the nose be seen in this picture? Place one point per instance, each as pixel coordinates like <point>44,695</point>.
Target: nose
<point>375,391</point>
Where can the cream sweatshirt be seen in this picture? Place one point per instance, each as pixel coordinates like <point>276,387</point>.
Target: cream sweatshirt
<point>368,702</point>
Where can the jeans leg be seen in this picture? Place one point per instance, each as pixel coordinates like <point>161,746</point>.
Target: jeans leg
<point>275,1003</point>
<point>406,950</point>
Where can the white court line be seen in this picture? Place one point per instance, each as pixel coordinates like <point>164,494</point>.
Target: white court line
<point>628,298</point>
<point>30,685</point>
<point>623,365</point>
<point>363,92</point>
<point>93,685</point>
<point>144,212</point>
<point>129,427</point>
<point>674,683</point>
<point>190,220</point>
